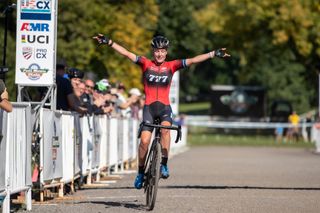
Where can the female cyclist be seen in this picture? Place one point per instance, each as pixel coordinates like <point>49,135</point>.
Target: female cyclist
<point>157,76</point>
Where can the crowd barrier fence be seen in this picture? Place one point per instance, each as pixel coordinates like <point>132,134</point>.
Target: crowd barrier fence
<point>73,146</point>
<point>15,154</point>
<point>69,148</point>
<point>315,136</point>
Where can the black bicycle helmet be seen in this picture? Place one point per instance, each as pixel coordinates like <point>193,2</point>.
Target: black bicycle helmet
<point>75,73</point>
<point>160,42</point>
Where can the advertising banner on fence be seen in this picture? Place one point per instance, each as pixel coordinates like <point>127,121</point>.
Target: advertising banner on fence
<point>36,42</point>
<point>51,145</point>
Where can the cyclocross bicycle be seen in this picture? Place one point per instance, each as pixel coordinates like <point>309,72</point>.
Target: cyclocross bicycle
<point>152,165</point>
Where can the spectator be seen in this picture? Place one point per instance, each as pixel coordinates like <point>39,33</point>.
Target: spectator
<point>293,131</point>
<point>180,120</point>
<point>123,109</point>
<point>64,89</point>
<point>89,89</point>
<point>87,97</point>
<point>122,106</point>
<point>279,133</point>
<point>79,105</point>
<point>4,98</point>
<point>308,128</point>
<point>137,106</point>
<point>102,97</point>
<point>75,76</point>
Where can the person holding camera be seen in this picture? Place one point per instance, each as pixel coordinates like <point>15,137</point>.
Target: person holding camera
<point>4,98</point>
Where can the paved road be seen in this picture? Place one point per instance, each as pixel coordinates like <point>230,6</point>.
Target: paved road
<point>215,179</point>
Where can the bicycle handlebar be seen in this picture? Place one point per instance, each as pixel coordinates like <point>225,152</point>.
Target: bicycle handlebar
<point>176,128</point>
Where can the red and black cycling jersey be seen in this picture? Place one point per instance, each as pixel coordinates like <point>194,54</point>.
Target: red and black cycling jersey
<point>157,78</point>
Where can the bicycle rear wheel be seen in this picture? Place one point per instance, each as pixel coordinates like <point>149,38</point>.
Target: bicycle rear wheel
<point>154,176</point>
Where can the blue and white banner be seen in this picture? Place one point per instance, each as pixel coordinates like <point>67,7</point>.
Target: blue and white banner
<point>36,42</point>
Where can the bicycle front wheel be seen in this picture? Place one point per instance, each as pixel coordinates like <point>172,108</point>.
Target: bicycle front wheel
<point>154,176</point>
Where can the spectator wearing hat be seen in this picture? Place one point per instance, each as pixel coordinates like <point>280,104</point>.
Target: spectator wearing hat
<point>136,107</point>
<point>122,104</point>
<point>4,98</point>
<point>102,97</point>
<point>75,75</point>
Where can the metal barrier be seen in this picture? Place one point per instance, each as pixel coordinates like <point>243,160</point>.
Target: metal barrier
<point>113,144</point>
<point>51,159</point>
<point>103,124</point>
<point>70,147</point>
<point>16,153</point>
<point>315,136</point>
<point>3,159</point>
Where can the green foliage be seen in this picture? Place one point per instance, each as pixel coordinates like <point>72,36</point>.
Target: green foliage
<point>275,44</point>
<point>11,49</point>
<point>187,39</point>
<point>205,139</point>
<point>79,21</point>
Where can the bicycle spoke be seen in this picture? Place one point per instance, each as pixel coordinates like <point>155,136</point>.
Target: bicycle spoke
<point>154,177</point>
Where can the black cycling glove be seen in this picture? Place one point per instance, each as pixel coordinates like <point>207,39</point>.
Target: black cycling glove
<point>103,39</point>
<point>219,53</point>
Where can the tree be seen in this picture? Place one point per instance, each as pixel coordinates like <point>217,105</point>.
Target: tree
<point>186,37</point>
<point>120,20</point>
<point>276,42</point>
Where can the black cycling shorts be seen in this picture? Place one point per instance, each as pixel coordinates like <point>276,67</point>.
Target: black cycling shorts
<point>156,110</point>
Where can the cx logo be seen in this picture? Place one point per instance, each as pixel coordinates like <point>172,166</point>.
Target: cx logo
<point>43,5</point>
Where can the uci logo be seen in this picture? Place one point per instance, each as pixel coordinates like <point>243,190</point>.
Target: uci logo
<point>41,39</point>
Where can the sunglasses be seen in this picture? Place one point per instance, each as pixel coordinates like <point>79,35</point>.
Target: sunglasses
<point>89,87</point>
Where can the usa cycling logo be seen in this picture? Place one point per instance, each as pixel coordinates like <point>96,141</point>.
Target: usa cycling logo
<point>34,71</point>
<point>35,9</point>
<point>27,52</point>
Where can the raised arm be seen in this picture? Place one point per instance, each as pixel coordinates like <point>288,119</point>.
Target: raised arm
<point>103,40</point>
<point>221,53</point>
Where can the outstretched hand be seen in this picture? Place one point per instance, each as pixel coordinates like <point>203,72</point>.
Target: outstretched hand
<point>101,39</point>
<point>221,53</point>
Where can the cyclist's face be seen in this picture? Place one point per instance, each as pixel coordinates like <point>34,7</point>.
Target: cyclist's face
<point>160,55</point>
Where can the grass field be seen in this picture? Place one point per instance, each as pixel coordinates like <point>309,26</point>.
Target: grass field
<point>199,136</point>
<point>205,139</point>
<point>200,108</point>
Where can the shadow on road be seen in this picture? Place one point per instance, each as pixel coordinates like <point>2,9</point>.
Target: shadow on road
<point>241,187</point>
<point>110,204</point>
<point>107,187</point>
